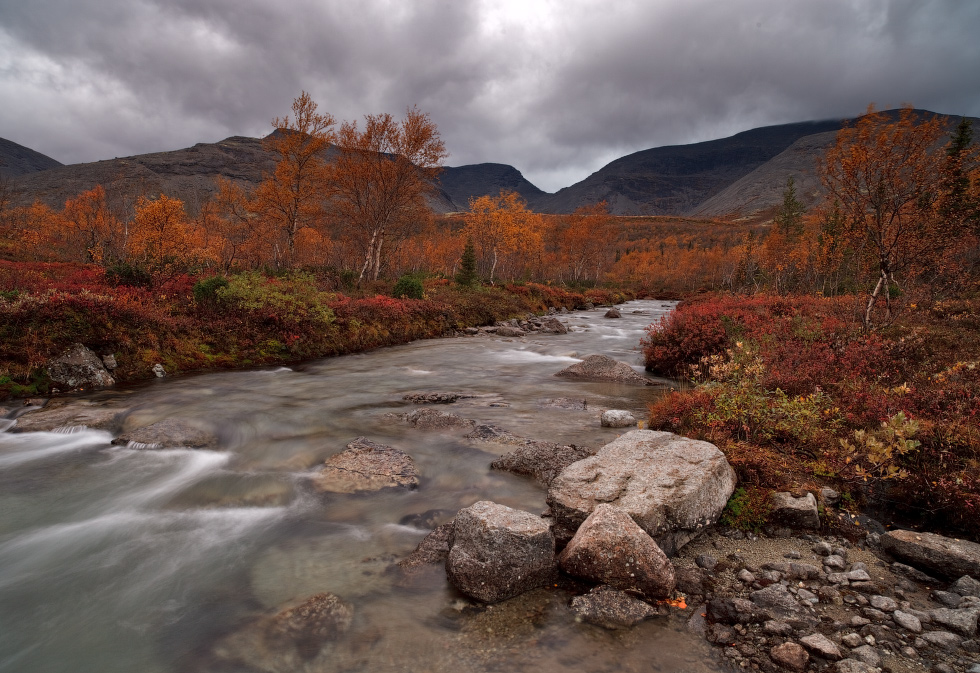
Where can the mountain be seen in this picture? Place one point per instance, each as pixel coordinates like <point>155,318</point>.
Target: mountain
<point>17,160</point>
<point>675,179</point>
<point>462,183</point>
<point>188,174</point>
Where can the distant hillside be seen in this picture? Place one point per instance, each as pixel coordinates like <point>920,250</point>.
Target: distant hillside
<point>462,183</point>
<point>762,189</point>
<point>675,179</point>
<point>17,160</point>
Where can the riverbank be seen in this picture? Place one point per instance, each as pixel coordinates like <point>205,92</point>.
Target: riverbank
<point>243,321</point>
<point>799,396</point>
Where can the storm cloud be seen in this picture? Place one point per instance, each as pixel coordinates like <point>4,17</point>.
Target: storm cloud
<point>556,89</point>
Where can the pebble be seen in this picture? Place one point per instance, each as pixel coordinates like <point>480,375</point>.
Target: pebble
<point>822,549</point>
<point>835,563</point>
<point>907,621</point>
<point>874,615</point>
<point>884,603</point>
<point>867,654</point>
<point>745,576</point>
<point>792,555</point>
<point>821,645</point>
<point>859,621</point>
<point>852,640</point>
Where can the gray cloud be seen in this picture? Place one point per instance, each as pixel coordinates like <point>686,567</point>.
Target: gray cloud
<point>555,88</point>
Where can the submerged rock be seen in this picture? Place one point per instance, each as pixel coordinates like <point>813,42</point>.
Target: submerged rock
<point>611,608</point>
<point>171,432</point>
<point>285,641</point>
<point>541,460</point>
<point>947,557</point>
<point>603,368</point>
<point>672,487</point>
<point>496,552</point>
<point>66,413</point>
<point>436,398</point>
<point>432,419</point>
<point>366,466</point>
<point>609,548</point>
<point>78,368</point>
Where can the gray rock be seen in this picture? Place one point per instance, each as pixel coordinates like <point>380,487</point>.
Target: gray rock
<point>907,621</point>
<point>617,418</point>
<point>436,398</point>
<point>309,625</point>
<point>777,628</point>
<point>874,614</point>
<point>779,603</point>
<point>745,576</point>
<point>109,362</point>
<point>609,548</point>
<point>541,460</point>
<point>943,640</point>
<point>829,497</point>
<point>835,563</point>
<point>510,332</point>
<point>159,371</point>
<point>66,413</point>
<point>797,512</point>
<point>604,368</point>
<point>966,586</point>
<point>611,609</point>
<point>858,576</point>
<point>822,646</point>
<point>78,368</point>
<point>914,573</point>
<point>852,640</point>
<point>171,432</point>
<point>673,487</point>
<point>496,552</point>
<point>867,654</point>
<point>366,466</point>
<point>822,549</point>
<point>553,326</point>
<point>613,313</point>
<point>791,655</point>
<point>853,666</point>
<point>709,562</point>
<point>947,557</point>
<point>433,549</point>
<point>947,598</point>
<point>829,595</point>
<point>432,419</point>
<point>884,603</point>
<point>963,622</point>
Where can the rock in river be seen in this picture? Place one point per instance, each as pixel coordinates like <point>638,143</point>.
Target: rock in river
<point>171,432</point>
<point>611,609</point>
<point>496,552</point>
<point>609,548</point>
<point>672,487</point>
<point>541,460</point>
<point>603,368</point>
<point>366,466</point>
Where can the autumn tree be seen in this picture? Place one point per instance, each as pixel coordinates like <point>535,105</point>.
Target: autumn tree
<point>887,177</point>
<point>92,229</point>
<point>503,227</point>
<point>582,242</point>
<point>466,276</point>
<point>162,240</point>
<point>291,199</point>
<point>382,174</point>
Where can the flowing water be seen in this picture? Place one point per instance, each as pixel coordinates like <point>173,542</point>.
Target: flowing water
<point>117,558</point>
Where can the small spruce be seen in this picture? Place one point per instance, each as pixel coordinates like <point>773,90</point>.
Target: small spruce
<point>466,276</point>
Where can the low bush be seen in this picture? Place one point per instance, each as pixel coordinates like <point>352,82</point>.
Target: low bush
<point>409,287</point>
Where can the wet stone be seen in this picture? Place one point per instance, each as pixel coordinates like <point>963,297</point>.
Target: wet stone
<point>611,609</point>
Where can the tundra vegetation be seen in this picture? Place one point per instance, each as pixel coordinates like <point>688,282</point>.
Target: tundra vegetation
<point>831,345</point>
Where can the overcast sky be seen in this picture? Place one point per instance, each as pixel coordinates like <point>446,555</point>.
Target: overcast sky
<point>557,89</point>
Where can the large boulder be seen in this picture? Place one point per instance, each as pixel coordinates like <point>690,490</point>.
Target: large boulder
<point>171,432</point>
<point>609,548</point>
<point>603,368</point>
<point>613,313</point>
<point>672,487</point>
<point>79,368</point>
<point>944,556</point>
<point>542,461</point>
<point>68,413</point>
<point>496,552</point>
<point>366,466</point>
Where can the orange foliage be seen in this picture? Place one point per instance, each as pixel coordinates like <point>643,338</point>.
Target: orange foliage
<point>161,239</point>
<point>506,233</point>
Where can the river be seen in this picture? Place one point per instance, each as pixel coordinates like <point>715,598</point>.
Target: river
<point>115,558</point>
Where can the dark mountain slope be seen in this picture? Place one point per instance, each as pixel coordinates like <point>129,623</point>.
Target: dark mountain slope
<point>673,180</point>
<point>17,160</point>
<point>461,183</point>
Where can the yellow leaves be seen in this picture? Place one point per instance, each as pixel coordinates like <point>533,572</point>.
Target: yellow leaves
<point>504,230</point>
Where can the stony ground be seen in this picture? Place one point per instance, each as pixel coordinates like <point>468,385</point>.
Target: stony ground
<point>814,603</point>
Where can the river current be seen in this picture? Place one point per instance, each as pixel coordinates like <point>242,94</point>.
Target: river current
<point>123,559</point>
